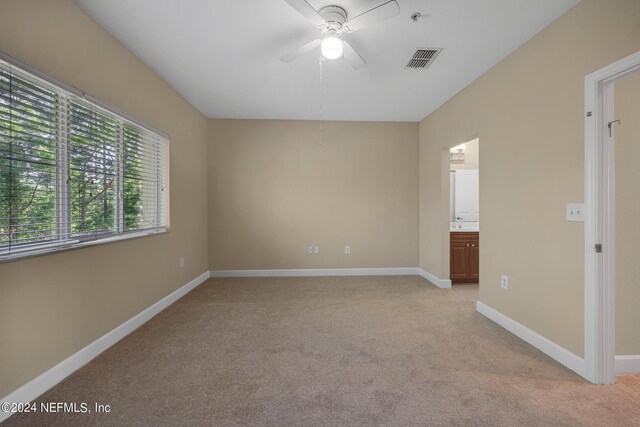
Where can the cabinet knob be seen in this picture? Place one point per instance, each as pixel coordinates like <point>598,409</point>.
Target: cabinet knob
<point>467,245</point>
<point>473,244</point>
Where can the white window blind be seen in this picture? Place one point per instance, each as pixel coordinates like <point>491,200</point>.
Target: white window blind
<point>73,171</point>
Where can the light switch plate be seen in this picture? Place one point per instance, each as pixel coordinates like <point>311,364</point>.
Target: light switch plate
<point>575,212</point>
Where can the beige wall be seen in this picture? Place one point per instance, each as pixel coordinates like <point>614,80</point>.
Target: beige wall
<point>276,187</point>
<point>529,114</point>
<point>471,156</point>
<point>54,305</point>
<point>627,269</point>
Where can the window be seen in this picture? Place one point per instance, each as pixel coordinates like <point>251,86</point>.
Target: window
<point>73,171</point>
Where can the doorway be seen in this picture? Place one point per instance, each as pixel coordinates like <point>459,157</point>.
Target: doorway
<point>464,213</point>
<point>601,152</point>
<point>625,133</point>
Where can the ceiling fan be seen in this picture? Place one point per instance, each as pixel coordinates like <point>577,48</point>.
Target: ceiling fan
<point>333,21</point>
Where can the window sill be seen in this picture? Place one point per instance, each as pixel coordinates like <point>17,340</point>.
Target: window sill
<point>68,245</point>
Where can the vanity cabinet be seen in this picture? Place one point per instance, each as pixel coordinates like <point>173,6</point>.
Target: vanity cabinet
<point>465,257</point>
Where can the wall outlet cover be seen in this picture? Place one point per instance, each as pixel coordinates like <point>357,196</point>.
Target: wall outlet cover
<point>504,282</point>
<point>575,212</point>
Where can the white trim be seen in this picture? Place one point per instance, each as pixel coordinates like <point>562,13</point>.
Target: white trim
<point>627,365</point>
<point>608,238</point>
<point>39,249</point>
<point>308,272</point>
<point>551,349</point>
<point>599,310</point>
<point>441,283</point>
<point>59,372</point>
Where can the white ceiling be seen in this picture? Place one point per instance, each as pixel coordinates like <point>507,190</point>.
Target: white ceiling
<point>223,55</point>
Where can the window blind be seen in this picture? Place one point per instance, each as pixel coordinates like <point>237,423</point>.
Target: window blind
<point>73,172</point>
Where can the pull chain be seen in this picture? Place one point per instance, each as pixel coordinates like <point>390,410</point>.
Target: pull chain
<point>321,61</point>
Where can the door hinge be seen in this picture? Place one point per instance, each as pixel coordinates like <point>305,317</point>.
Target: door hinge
<point>598,248</point>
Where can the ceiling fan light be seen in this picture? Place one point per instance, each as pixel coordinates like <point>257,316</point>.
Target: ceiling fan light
<point>331,47</point>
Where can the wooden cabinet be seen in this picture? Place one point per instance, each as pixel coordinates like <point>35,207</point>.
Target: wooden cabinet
<point>465,257</point>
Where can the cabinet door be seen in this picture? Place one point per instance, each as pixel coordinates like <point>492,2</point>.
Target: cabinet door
<point>474,261</point>
<point>459,261</point>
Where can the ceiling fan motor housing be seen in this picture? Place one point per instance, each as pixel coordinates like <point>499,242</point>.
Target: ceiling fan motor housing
<point>335,17</point>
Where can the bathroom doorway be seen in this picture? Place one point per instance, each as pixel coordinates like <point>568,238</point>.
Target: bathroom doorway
<point>464,213</point>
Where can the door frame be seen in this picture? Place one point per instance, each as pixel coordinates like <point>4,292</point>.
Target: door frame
<point>599,289</point>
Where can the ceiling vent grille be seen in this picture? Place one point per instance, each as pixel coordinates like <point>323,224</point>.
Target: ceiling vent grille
<point>423,57</point>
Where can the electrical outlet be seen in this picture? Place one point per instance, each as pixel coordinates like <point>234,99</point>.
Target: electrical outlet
<point>310,250</point>
<point>347,249</point>
<point>316,249</point>
<point>575,212</point>
<point>504,282</point>
<point>181,262</point>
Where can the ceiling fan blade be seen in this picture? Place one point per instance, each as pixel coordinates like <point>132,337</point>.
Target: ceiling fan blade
<point>304,49</point>
<point>380,13</point>
<point>307,11</point>
<point>351,56</point>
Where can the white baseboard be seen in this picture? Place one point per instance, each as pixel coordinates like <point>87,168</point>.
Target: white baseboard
<point>627,365</point>
<point>53,376</point>
<point>310,272</point>
<point>441,283</point>
<point>551,349</point>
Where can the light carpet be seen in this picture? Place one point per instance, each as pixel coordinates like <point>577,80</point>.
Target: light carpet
<point>332,351</point>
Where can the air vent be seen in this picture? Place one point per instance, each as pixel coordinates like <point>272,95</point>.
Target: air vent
<point>422,58</point>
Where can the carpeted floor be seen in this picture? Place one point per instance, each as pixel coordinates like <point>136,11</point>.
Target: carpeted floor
<point>331,351</point>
